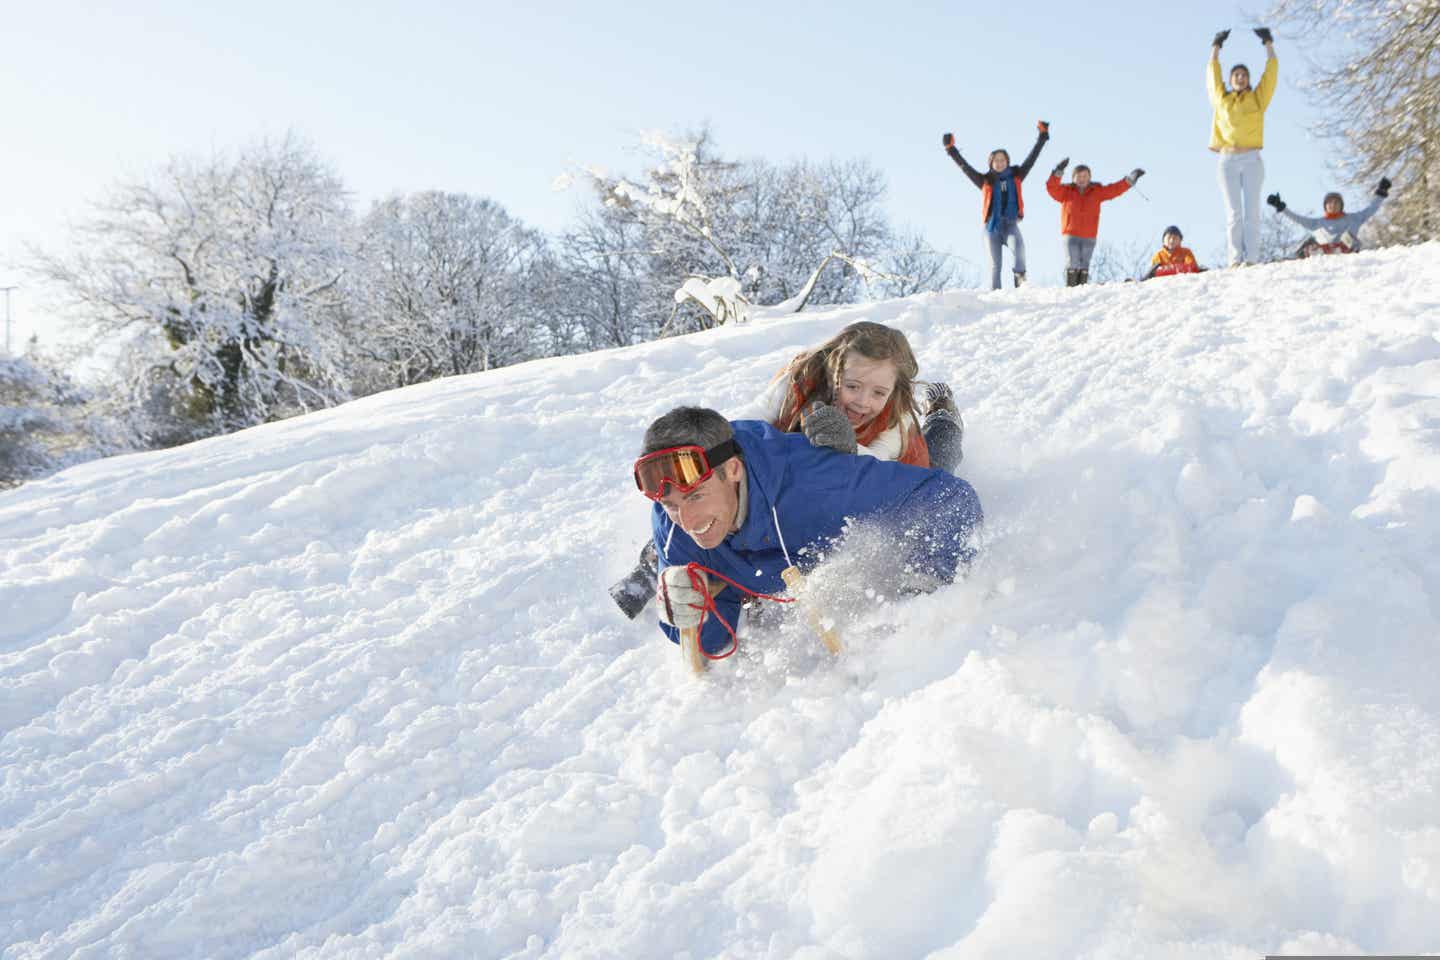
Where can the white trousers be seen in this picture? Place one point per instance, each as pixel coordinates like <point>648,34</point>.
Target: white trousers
<point>1240,176</point>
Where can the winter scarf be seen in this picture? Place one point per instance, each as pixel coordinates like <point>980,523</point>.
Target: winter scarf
<point>1005,205</point>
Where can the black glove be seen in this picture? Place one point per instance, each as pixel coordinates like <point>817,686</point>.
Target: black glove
<point>1264,34</point>
<point>1136,174</point>
<point>826,426</point>
<point>1275,201</point>
<point>948,140</point>
<point>1383,190</point>
<point>1043,126</point>
<point>1060,167</point>
<point>1219,40</point>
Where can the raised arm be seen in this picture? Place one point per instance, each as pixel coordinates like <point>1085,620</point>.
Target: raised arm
<point>1214,84</point>
<point>1309,223</point>
<point>1053,187</point>
<point>976,177</point>
<point>1112,190</point>
<point>1381,192</point>
<point>1024,169</point>
<point>1266,90</point>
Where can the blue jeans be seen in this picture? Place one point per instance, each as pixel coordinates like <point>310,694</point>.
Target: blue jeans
<point>1078,251</point>
<point>944,435</point>
<point>1007,236</point>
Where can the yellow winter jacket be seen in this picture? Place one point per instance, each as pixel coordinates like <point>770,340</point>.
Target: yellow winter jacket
<point>1239,117</point>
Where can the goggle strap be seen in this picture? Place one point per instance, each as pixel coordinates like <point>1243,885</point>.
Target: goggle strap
<point>721,452</point>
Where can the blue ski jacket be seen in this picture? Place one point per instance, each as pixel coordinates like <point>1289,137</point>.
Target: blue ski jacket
<point>803,496</point>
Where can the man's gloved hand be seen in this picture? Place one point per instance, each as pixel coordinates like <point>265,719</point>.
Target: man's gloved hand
<point>948,140</point>
<point>827,426</point>
<point>1060,167</point>
<point>1264,34</point>
<point>1135,174</point>
<point>1043,126</point>
<point>680,604</point>
<point>1383,189</point>
<point>1275,201</point>
<point>1219,40</point>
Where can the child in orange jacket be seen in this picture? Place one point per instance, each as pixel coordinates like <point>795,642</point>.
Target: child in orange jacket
<point>1080,214</point>
<point>1172,258</point>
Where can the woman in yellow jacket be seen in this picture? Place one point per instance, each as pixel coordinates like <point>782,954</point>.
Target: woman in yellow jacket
<point>1237,132</point>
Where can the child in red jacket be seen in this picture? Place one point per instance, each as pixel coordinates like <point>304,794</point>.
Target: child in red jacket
<point>1172,258</point>
<point>1080,214</point>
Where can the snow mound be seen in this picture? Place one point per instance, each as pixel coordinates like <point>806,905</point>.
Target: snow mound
<point>351,686</point>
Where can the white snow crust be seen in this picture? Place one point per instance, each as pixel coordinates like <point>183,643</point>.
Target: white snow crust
<point>350,685</point>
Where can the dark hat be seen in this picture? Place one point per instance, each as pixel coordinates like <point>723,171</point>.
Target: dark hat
<point>1172,229</point>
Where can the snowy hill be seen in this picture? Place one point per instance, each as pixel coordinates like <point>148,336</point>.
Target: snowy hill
<point>351,686</point>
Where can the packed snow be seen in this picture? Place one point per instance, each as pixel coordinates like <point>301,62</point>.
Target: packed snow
<point>351,685</point>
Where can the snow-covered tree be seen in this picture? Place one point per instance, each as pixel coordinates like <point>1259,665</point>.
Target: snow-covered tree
<point>220,279</point>
<point>912,266</point>
<point>725,236</point>
<point>1113,262</point>
<point>607,290</point>
<point>42,424</point>
<point>1380,97</point>
<point>449,285</point>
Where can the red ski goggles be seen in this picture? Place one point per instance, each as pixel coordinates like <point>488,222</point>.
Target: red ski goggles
<point>682,468</point>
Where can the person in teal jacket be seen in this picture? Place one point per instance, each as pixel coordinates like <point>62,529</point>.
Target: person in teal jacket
<point>746,501</point>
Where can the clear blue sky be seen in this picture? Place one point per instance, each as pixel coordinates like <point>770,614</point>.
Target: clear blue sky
<point>497,100</point>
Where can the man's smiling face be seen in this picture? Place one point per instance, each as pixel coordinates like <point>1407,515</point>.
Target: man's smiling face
<point>707,513</point>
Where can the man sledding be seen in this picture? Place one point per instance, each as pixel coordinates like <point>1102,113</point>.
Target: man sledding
<point>740,508</point>
<point>1337,231</point>
<point>857,393</point>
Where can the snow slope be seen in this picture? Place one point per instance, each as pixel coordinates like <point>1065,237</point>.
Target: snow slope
<point>351,686</point>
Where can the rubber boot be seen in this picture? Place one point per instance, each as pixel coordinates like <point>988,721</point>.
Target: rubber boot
<point>1070,277</point>
<point>637,589</point>
<point>1082,277</point>
<point>1019,280</point>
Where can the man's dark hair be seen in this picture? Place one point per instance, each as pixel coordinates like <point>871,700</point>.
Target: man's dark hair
<point>686,425</point>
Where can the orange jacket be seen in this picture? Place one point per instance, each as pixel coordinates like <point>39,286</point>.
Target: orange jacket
<point>1080,210</point>
<point>987,197</point>
<point>1166,263</point>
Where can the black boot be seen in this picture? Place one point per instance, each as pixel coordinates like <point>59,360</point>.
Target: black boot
<point>1082,277</point>
<point>638,588</point>
<point>1070,277</point>
<point>1019,279</point>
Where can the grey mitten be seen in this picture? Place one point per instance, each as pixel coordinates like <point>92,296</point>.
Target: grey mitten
<point>827,426</point>
<point>681,605</point>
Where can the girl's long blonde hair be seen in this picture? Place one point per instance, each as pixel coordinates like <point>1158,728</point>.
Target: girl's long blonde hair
<point>813,375</point>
